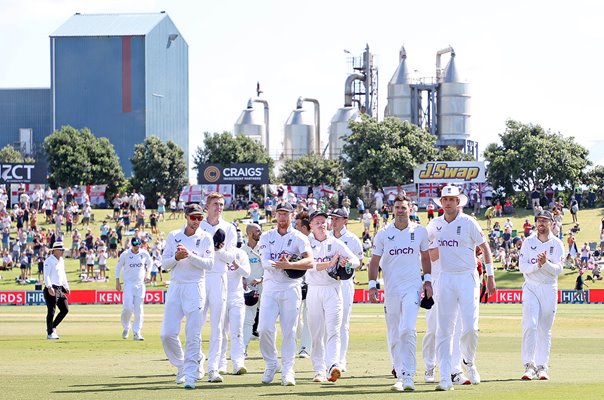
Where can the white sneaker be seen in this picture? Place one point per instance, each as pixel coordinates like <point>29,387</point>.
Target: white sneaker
<point>180,377</point>
<point>214,377</point>
<point>125,333</point>
<point>429,376</point>
<point>268,375</point>
<point>472,372</point>
<point>398,386</point>
<point>240,371</point>
<point>138,337</point>
<point>319,377</point>
<point>542,374</point>
<point>460,379</point>
<point>530,372</point>
<point>288,380</point>
<point>53,336</point>
<point>408,385</point>
<point>303,353</point>
<point>189,384</point>
<point>444,385</point>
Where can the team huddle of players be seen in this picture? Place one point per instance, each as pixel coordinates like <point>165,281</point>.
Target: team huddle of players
<point>209,273</point>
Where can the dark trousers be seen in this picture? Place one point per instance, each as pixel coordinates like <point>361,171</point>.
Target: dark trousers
<point>58,300</point>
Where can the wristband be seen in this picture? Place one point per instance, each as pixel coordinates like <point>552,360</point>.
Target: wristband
<point>372,284</point>
<point>427,278</point>
<point>489,269</point>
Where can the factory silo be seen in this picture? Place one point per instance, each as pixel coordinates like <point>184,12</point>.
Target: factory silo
<point>453,107</point>
<point>301,131</point>
<point>253,124</point>
<point>399,91</point>
<point>338,129</point>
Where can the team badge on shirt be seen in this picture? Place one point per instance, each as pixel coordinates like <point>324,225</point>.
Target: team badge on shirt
<point>551,250</point>
<point>534,248</point>
<point>197,242</point>
<point>413,236</point>
<point>459,231</point>
<point>390,238</point>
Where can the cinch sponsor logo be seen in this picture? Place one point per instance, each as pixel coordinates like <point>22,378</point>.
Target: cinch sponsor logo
<point>276,256</point>
<point>442,170</point>
<point>448,243</point>
<point>406,250</point>
<point>322,259</point>
<point>533,261</point>
<point>136,265</point>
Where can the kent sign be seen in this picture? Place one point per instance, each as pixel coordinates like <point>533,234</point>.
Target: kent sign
<point>22,173</point>
<point>236,174</point>
<point>450,172</point>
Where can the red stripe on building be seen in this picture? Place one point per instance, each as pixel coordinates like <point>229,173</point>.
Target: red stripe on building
<point>126,74</point>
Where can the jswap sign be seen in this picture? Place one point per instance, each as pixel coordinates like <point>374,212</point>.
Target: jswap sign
<point>450,172</point>
<point>22,173</point>
<point>236,174</point>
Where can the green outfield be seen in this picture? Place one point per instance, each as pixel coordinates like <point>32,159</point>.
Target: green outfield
<point>590,221</point>
<point>91,361</point>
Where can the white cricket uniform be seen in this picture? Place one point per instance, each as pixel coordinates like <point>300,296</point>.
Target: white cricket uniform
<point>186,298</point>
<point>400,260</point>
<point>134,269</point>
<point>302,331</point>
<point>256,272</point>
<point>216,287</point>
<point>458,288</point>
<point>355,245</point>
<point>539,296</point>
<point>324,301</point>
<point>281,297</point>
<point>235,312</point>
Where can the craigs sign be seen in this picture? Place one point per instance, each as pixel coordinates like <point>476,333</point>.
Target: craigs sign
<point>450,172</point>
<point>236,174</point>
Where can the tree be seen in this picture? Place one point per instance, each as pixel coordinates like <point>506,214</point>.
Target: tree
<point>312,170</point>
<point>8,154</point>
<point>385,153</point>
<point>77,157</point>
<point>158,167</point>
<point>450,153</point>
<point>529,156</point>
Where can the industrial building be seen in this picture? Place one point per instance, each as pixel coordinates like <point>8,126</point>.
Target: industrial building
<point>123,76</point>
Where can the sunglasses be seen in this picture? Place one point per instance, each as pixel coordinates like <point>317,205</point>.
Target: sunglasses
<point>196,217</point>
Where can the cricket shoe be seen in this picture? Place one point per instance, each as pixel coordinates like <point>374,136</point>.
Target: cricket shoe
<point>542,374</point>
<point>240,371</point>
<point>429,376</point>
<point>180,377</point>
<point>53,336</point>
<point>530,372</point>
<point>189,384</point>
<point>319,378</point>
<point>398,386</point>
<point>269,375</point>
<point>138,337</point>
<point>288,380</point>
<point>460,378</point>
<point>125,333</point>
<point>334,373</point>
<point>472,372</point>
<point>444,385</point>
<point>303,353</point>
<point>214,377</point>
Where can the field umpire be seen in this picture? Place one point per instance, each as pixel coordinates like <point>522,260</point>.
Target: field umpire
<point>56,290</point>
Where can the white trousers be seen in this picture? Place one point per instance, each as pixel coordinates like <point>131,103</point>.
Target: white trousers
<point>324,321</point>
<point>216,298</point>
<point>233,328</point>
<point>347,300</point>
<point>401,307</point>
<point>183,301</point>
<point>133,299</point>
<point>285,304</point>
<point>303,332</point>
<point>429,340</point>
<point>457,294</point>
<point>539,305</point>
<point>248,323</point>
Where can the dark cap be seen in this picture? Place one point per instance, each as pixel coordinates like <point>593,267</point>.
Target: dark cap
<point>341,273</point>
<point>219,237</point>
<point>427,302</point>
<point>193,209</point>
<point>284,206</point>
<point>339,213</point>
<point>317,214</point>
<point>135,241</point>
<point>545,214</point>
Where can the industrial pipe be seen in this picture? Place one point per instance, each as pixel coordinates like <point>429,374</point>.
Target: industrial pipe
<point>348,92</point>
<point>265,104</point>
<point>439,53</point>
<point>317,121</point>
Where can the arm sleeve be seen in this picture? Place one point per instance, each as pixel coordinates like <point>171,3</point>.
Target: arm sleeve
<point>168,257</point>
<point>554,266</point>
<point>265,252</point>
<point>119,266</point>
<point>227,254</point>
<point>352,258</point>
<point>47,273</point>
<point>242,260</point>
<point>425,243</point>
<point>206,260</point>
<point>477,234</point>
<point>524,263</point>
<point>378,245</point>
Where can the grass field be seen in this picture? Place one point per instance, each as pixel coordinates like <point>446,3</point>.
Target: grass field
<point>590,221</point>
<point>91,361</point>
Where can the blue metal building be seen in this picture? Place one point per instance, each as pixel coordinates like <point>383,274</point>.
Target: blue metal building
<point>123,76</point>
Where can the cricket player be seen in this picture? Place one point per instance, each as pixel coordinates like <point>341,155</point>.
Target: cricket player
<point>302,224</point>
<point>281,294</point>
<point>254,281</point>
<point>134,265</point>
<point>324,298</point>
<point>216,280</point>
<point>339,222</point>
<point>188,254</point>
<point>456,235</point>
<point>401,249</point>
<point>235,313</point>
<point>541,258</point>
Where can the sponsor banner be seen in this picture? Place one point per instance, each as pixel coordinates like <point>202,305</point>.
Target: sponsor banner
<point>596,295</point>
<point>23,173</point>
<point>450,172</point>
<point>115,297</point>
<point>82,297</point>
<point>35,297</point>
<point>362,296</point>
<point>573,296</point>
<point>12,297</point>
<point>507,296</point>
<point>236,174</point>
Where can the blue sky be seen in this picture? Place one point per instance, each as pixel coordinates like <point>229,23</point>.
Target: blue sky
<point>537,62</point>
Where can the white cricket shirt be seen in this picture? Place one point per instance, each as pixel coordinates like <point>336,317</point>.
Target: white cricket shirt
<point>324,251</point>
<point>531,248</point>
<point>133,267</point>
